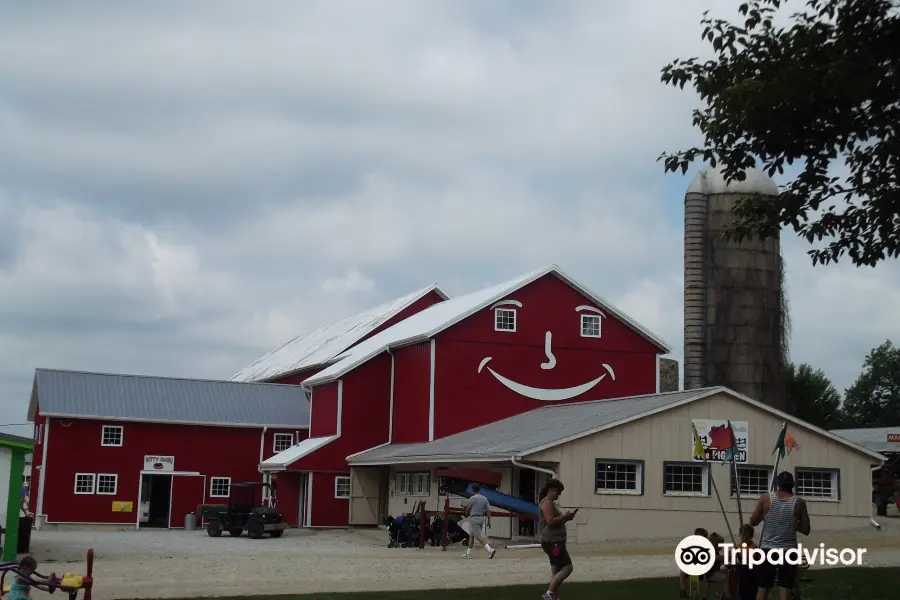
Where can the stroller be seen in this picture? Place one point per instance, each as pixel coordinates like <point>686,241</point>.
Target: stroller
<point>403,532</point>
<point>455,533</point>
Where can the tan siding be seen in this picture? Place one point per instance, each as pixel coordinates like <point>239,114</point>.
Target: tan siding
<point>667,437</point>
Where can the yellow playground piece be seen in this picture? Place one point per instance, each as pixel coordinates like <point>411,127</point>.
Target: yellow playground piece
<point>72,581</point>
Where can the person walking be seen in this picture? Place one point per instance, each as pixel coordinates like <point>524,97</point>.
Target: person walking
<point>478,512</point>
<point>552,525</point>
<point>784,514</point>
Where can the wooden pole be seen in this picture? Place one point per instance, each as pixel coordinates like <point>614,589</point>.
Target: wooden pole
<point>445,526</point>
<point>715,487</point>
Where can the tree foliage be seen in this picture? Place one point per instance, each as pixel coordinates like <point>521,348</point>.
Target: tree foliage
<point>812,397</point>
<point>824,92</point>
<point>874,398</point>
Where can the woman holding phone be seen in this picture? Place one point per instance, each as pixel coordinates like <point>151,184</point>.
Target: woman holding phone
<point>552,524</point>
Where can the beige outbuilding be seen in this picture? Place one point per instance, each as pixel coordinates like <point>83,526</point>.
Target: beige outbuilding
<point>629,465</point>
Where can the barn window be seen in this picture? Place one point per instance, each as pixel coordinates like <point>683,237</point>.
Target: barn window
<point>282,442</point>
<point>817,484</point>
<point>413,484</point>
<point>111,435</point>
<point>590,326</point>
<point>84,483</point>
<point>504,319</point>
<point>107,484</point>
<point>341,487</point>
<point>619,477</point>
<point>753,480</point>
<point>685,479</point>
<point>220,487</point>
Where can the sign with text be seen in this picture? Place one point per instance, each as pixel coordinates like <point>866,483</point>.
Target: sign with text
<point>715,439</point>
<point>159,463</point>
<point>893,437</point>
<point>120,506</point>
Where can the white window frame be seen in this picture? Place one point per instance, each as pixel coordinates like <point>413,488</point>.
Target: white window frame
<point>93,477</point>
<point>337,481</point>
<point>835,484</point>
<point>281,436</point>
<point>403,483</point>
<point>115,478</point>
<point>704,469</point>
<point>638,477</point>
<point>212,487</point>
<point>103,436</point>
<point>592,318</point>
<point>505,310</point>
<point>750,493</point>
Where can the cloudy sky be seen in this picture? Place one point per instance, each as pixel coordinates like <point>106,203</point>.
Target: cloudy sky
<point>184,186</point>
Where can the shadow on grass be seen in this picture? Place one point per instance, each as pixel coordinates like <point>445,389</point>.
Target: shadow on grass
<point>854,583</point>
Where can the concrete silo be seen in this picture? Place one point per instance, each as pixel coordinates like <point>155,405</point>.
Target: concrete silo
<point>735,310</point>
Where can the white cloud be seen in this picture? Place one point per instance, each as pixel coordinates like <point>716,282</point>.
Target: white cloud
<point>229,178</point>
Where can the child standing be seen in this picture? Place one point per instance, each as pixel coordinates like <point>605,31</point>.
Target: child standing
<point>683,576</point>
<point>21,586</point>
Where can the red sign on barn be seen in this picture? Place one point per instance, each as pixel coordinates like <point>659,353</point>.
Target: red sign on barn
<point>893,437</point>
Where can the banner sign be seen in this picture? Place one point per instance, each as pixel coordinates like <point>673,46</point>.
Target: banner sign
<point>715,439</point>
<point>893,437</point>
<point>159,463</point>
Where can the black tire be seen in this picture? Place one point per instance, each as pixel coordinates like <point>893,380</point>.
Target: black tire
<point>235,532</point>
<point>255,529</point>
<point>214,529</point>
<point>276,533</point>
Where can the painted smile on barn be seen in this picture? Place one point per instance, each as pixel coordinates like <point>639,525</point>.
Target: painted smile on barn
<point>547,394</point>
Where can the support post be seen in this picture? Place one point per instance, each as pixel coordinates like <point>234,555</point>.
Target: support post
<point>88,581</point>
<point>421,525</point>
<point>445,525</point>
<point>13,505</point>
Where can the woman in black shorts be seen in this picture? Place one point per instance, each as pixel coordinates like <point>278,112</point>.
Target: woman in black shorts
<point>552,526</point>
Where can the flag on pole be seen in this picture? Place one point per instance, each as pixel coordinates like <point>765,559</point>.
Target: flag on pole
<point>790,444</point>
<point>780,444</point>
<point>699,453</point>
<point>731,450</point>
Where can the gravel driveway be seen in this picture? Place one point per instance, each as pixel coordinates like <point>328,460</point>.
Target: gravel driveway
<point>170,564</point>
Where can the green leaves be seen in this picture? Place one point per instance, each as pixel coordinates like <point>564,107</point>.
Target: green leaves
<point>822,94</point>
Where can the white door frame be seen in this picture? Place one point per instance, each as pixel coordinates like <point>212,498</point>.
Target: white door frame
<point>173,474</point>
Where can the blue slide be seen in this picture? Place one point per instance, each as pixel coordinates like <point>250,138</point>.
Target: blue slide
<point>498,500</point>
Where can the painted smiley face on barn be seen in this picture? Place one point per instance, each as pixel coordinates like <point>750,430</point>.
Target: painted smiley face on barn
<point>505,320</point>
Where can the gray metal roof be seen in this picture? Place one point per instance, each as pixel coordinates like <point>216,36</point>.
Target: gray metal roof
<point>531,431</point>
<point>874,439</point>
<point>165,399</point>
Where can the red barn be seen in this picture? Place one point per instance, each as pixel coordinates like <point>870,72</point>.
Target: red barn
<point>136,450</point>
<point>456,365</point>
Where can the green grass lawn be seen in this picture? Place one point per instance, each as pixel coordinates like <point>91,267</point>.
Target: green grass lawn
<point>855,583</point>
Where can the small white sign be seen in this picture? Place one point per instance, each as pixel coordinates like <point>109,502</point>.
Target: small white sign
<point>159,463</point>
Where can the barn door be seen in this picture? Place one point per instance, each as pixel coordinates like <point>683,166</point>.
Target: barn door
<point>188,491</point>
<point>364,496</point>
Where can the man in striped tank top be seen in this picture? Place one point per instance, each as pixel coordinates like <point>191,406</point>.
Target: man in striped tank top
<point>783,514</point>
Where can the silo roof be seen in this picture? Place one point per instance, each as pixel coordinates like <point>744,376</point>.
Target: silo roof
<point>711,181</point>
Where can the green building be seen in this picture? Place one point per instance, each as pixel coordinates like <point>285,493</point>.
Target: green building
<point>13,450</point>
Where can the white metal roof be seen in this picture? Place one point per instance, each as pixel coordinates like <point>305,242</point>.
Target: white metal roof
<point>320,346</point>
<point>551,426</point>
<point>711,181</point>
<point>283,459</point>
<point>436,318</point>
<point>874,438</point>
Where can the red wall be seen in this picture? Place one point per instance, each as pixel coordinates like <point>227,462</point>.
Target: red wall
<point>328,511</point>
<point>412,386</point>
<point>465,398</point>
<point>323,411</point>
<point>74,447</point>
<point>298,377</point>
<point>418,306</point>
<point>287,494</point>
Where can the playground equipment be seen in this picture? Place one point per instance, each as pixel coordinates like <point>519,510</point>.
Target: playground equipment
<point>448,511</point>
<point>71,584</point>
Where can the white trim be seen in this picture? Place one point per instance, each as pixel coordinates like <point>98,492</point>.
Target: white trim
<point>212,481</point>
<point>658,377</point>
<point>361,452</point>
<point>121,429</point>
<point>520,283</point>
<point>271,465</point>
<point>638,481</point>
<point>340,406</point>
<point>431,395</point>
<point>506,303</point>
<point>170,422</point>
<point>835,483</point>
<point>515,319</point>
<point>115,477</point>
<point>93,477</point>
<point>336,479</point>
<point>433,460</point>
<point>599,326</point>
<point>43,475</point>
<point>275,435</point>
<point>175,473</point>
<point>587,307</point>
<point>391,412</point>
<point>309,498</point>
<point>706,475</point>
